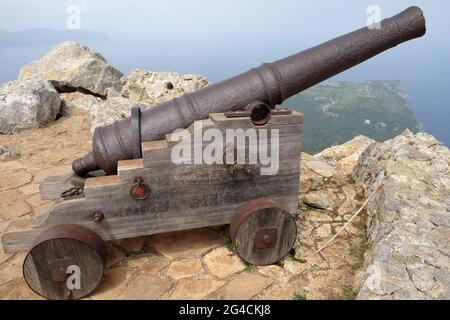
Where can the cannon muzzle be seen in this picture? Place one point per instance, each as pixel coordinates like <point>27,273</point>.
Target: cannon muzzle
<point>270,84</point>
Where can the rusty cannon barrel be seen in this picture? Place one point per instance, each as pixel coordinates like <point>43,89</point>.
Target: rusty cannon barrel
<point>269,85</point>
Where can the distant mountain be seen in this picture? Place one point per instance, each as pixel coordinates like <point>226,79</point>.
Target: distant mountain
<point>336,112</point>
<point>48,37</point>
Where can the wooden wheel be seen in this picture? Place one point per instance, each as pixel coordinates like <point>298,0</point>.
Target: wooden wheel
<point>66,262</point>
<point>262,232</point>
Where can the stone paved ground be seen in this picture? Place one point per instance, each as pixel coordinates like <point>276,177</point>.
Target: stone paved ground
<point>195,264</point>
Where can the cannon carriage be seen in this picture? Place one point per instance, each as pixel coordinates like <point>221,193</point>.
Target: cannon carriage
<point>146,189</point>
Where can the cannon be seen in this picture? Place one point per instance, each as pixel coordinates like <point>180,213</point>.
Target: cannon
<point>131,184</point>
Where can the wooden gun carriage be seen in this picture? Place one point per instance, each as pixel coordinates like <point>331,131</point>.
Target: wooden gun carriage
<point>153,195</point>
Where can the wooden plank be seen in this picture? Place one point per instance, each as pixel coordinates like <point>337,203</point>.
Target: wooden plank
<point>99,182</point>
<point>95,187</point>
<point>154,145</point>
<point>127,165</point>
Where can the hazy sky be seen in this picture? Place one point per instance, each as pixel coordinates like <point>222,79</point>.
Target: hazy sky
<point>211,18</point>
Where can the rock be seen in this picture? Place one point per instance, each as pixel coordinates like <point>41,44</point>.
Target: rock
<point>150,264</point>
<point>306,156</point>
<point>76,65</point>
<point>114,255</point>
<point>30,189</point>
<point>12,268</point>
<point>295,267</point>
<point>188,243</point>
<point>112,93</point>
<point>322,199</point>
<point>348,207</point>
<point>144,287</point>
<point>18,290</point>
<point>422,277</point>
<point>42,209</point>
<point>26,104</point>
<point>195,289</point>
<point>244,286</point>
<point>116,108</point>
<point>324,231</point>
<point>355,146</point>
<point>6,156</point>
<point>78,100</point>
<point>274,272</point>
<point>305,229</point>
<point>14,210</point>
<point>4,256</point>
<point>324,278</point>
<point>309,180</point>
<point>408,237</point>
<point>222,263</point>
<point>36,200</point>
<point>310,256</point>
<point>131,245</point>
<point>317,216</point>
<point>343,252</point>
<point>9,166</point>
<point>344,157</point>
<point>2,150</point>
<point>320,167</point>
<point>184,269</point>
<point>345,166</point>
<point>305,185</point>
<point>112,286</point>
<point>140,88</point>
<point>42,174</point>
<point>11,180</point>
<point>280,291</point>
<point>158,87</point>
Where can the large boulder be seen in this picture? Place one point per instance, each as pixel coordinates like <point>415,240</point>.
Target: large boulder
<point>158,87</point>
<point>76,66</point>
<point>26,104</point>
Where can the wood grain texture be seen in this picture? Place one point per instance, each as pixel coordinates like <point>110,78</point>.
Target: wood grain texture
<point>52,187</point>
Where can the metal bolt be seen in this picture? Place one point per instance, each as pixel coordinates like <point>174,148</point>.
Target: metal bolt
<point>98,216</point>
<point>247,170</point>
<point>266,239</point>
